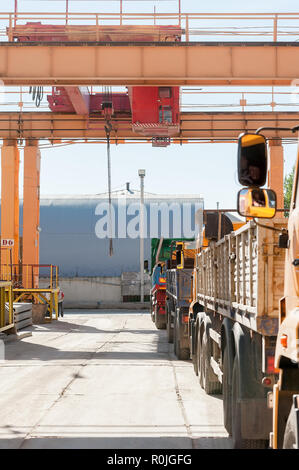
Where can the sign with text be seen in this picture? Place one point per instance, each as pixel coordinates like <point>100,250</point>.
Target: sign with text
<point>7,242</point>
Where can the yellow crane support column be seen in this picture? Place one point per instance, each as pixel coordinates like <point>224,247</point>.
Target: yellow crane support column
<point>10,163</point>
<point>275,176</point>
<point>31,205</point>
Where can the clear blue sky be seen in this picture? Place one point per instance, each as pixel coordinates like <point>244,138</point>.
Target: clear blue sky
<point>208,169</point>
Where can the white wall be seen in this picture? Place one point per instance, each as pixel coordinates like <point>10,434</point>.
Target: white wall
<point>90,290</point>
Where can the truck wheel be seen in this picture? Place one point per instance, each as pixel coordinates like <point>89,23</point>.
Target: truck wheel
<point>169,328</point>
<point>227,407</point>
<point>238,441</point>
<point>289,440</point>
<point>199,358</point>
<point>195,357</point>
<point>160,322</point>
<point>181,353</point>
<point>152,311</point>
<point>210,382</point>
<point>174,337</point>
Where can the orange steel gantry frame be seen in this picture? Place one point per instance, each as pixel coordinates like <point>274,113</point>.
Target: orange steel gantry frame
<point>32,127</point>
<point>130,63</point>
<point>155,64</point>
<point>194,126</point>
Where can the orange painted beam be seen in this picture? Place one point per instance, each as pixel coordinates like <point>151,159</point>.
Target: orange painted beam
<point>175,63</point>
<point>31,203</point>
<point>10,200</point>
<point>275,176</point>
<point>79,97</point>
<point>210,125</point>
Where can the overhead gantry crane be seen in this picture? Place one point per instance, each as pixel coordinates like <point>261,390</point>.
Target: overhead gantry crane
<point>152,62</point>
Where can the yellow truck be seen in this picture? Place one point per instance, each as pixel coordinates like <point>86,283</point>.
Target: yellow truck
<point>285,397</point>
<point>233,323</point>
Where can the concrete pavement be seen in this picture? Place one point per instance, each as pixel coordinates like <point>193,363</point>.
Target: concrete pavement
<point>104,379</point>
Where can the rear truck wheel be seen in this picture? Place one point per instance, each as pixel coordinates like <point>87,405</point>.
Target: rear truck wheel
<point>199,358</point>
<point>291,434</point>
<point>169,327</point>
<point>194,356</point>
<point>210,382</point>
<point>152,310</point>
<point>160,321</point>
<point>238,441</point>
<point>174,337</point>
<point>181,352</point>
<point>226,390</point>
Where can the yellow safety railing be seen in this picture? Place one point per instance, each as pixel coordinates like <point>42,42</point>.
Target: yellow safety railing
<point>34,283</point>
<point>6,306</point>
<point>30,275</point>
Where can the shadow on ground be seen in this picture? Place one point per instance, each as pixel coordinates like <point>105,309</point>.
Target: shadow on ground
<point>140,442</point>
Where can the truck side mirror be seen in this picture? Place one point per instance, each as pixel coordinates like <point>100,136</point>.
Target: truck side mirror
<point>256,202</point>
<point>179,259</point>
<point>252,160</point>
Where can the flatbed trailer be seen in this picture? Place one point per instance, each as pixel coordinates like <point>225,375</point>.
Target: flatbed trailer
<point>233,324</point>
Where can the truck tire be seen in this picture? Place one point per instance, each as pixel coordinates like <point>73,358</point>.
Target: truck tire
<point>289,440</point>
<point>169,328</point>
<point>199,358</point>
<point>238,441</point>
<point>195,357</point>
<point>181,353</point>
<point>226,390</point>
<point>209,380</point>
<point>152,310</point>
<point>160,322</point>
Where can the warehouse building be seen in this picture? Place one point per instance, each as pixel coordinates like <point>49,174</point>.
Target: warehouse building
<point>75,236</point>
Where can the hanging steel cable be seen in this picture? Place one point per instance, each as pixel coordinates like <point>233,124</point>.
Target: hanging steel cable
<point>107,111</point>
<point>37,94</point>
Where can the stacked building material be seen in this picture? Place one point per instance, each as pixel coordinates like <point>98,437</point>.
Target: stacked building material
<point>22,315</point>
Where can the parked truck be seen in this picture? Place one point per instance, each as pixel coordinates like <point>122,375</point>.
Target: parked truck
<point>161,252</point>
<point>178,296</point>
<point>285,397</point>
<point>233,322</point>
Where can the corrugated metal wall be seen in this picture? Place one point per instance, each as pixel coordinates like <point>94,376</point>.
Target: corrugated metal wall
<point>68,237</point>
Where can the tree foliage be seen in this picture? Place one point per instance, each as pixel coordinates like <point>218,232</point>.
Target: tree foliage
<point>288,186</point>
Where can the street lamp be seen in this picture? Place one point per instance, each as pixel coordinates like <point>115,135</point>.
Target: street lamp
<point>141,174</point>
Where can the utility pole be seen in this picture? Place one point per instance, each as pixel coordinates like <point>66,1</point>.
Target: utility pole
<point>141,174</point>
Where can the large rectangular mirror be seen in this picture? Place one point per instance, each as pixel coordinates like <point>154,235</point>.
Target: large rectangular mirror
<point>252,160</point>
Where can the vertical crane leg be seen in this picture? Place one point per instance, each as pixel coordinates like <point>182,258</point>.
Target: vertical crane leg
<point>10,205</point>
<point>276,172</point>
<point>31,214</point>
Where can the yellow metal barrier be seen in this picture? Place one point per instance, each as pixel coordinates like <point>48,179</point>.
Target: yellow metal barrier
<point>40,296</point>
<point>19,286</point>
<point>6,306</point>
<point>23,276</point>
